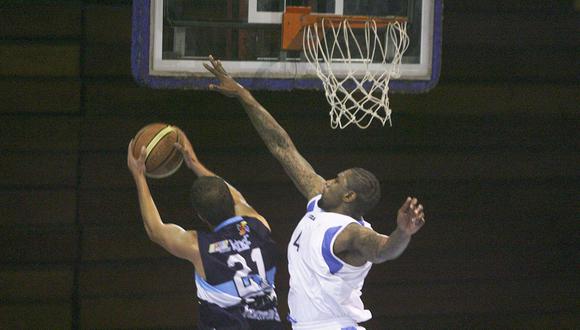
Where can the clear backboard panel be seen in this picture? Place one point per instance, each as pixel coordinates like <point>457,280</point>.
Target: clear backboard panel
<point>173,38</point>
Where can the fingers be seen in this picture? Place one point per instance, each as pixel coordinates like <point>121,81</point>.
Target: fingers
<point>413,203</point>
<point>220,67</point>
<point>217,88</point>
<point>419,222</point>
<point>184,151</point>
<point>210,69</point>
<point>143,154</point>
<point>411,206</point>
<point>406,204</point>
<point>130,149</point>
<point>217,66</point>
<point>181,135</point>
<point>418,216</point>
<point>418,210</point>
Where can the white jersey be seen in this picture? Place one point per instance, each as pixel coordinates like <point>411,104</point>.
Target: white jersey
<point>324,290</point>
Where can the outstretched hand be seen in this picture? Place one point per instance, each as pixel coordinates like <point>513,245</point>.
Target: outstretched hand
<point>136,165</point>
<point>410,217</point>
<point>186,149</point>
<point>228,86</point>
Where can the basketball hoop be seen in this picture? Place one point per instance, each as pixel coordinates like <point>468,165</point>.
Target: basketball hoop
<point>328,41</point>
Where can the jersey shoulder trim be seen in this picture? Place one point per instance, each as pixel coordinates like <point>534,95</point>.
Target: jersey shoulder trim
<point>227,222</point>
<point>333,263</point>
<point>313,203</point>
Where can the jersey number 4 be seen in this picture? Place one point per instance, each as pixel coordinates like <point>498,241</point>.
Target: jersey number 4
<point>296,242</point>
<point>243,282</point>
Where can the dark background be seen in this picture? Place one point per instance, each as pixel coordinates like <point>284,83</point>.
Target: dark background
<point>492,152</point>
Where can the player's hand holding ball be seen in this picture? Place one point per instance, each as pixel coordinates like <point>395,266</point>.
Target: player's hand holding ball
<point>152,151</point>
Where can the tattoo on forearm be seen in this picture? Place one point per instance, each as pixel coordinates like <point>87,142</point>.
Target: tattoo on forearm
<point>282,148</point>
<point>379,248</point>
<point>272,133</point>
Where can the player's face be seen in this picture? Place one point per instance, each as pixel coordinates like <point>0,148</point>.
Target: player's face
<point>334,191</point>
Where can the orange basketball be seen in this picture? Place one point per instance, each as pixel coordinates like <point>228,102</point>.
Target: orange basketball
<point>162,158</point>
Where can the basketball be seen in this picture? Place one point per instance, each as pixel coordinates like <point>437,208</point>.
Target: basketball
<point>162,158</point>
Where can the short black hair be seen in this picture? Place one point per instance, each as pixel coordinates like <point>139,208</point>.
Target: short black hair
<point>367,188</point>
<point>212,200</point>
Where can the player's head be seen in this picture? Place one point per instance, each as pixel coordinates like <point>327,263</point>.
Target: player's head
<point>212,199</point>
<point>355,191</point>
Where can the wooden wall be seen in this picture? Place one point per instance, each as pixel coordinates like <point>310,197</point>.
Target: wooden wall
<point>492,152</point>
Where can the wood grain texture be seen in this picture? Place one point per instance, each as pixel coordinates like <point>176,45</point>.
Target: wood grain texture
<point>38,244</point>
<point>36,316</point>
<point>170,311</point>
<point>25,284</point>
<point>109,171</point>
<point>31,207</point>
<point>511,30</point>
<point>40,134</point>
<point>491,152</point>
<point>470,98</point>
<point>23,96</point>
<point>123,243</point>
<point>40,60</point>
<point>39,168</point>
<point>40,20</point>
<point>99,16</point>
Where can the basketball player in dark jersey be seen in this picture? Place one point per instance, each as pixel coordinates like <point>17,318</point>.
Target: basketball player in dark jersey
<point>234,260</point>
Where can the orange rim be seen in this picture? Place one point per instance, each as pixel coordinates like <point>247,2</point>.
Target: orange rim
<point>296,18</point>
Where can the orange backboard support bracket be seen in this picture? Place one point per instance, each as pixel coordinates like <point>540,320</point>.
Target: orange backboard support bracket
<point>293,22</point>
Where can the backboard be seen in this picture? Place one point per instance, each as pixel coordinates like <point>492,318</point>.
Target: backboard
<point>173,38</point>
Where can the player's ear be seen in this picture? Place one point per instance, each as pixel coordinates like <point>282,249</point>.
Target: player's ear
<point>349,197</point>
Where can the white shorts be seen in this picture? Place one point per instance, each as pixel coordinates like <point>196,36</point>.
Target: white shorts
<point>333,324</point>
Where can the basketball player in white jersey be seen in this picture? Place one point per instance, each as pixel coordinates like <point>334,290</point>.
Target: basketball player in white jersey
<point>332,248</point>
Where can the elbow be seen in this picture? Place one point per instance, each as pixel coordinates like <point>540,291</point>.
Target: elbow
<point>392,256</point>
<point>153,235</point>
<point>379,259</point>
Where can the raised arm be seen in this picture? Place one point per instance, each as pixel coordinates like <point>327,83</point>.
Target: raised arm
<point>359,244</point>
<point>173,238</point>
<point>242,207</point>
<point>274,136</point>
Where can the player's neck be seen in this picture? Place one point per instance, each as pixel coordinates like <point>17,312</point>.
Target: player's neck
<point>344,210</point>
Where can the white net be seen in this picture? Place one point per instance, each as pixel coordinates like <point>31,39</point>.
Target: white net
<point>362,94</point>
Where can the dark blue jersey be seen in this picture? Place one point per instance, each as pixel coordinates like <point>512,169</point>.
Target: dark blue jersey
<point>239,259</point>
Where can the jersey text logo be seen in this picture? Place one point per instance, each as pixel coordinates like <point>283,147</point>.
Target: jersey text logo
<point>241,245</point>
<point>221,247</point>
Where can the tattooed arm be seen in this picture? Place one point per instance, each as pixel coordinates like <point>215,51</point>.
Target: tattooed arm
<point>357,244</point>
<point>308,182</point>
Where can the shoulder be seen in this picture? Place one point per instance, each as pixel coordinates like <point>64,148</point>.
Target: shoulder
<point>194,236</point>
<point>330,229</point>
<point>255,225</point>
<point>245,210</point>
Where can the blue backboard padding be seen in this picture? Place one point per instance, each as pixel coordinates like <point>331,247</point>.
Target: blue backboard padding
<point>140,44</point>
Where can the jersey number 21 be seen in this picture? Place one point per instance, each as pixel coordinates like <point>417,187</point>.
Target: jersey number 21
<point>241,279</point>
